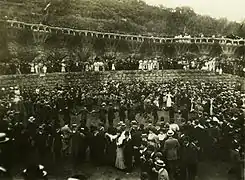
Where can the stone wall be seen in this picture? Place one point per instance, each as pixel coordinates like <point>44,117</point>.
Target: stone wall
<point>52,79</point>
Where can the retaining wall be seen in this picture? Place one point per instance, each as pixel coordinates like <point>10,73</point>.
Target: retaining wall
<point>52,79</point>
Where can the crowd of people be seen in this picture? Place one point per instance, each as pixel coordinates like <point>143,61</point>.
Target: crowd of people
<point>79,123</point>
<point>217,64</point>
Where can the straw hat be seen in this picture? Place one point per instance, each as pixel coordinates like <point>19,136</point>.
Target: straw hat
<point>160,163</point>
<point>170,133</point>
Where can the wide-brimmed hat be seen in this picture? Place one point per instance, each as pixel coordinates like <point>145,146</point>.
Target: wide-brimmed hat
<point>160,163</point>
<point>134,122</point>
<point>3,138</point>
<point>159,154</point>
<point>103,104</point>
<point>170,133</point>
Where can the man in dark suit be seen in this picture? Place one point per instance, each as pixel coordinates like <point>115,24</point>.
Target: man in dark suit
<point>111,114</point>
<point>122,113</point>
<point>128,152</point>
<point>189,159</point>
<point>170,149</point>
<point>136,141</point>
<point>84,114</point>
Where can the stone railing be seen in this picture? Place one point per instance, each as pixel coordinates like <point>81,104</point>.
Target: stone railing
<point>41,28</point>
<point>50,80</point>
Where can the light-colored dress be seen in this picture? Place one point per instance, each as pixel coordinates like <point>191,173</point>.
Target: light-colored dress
<point>96,66</point>
<point>113,67</point>
<point>169,100</point>
<point>36,69</point>
<point>149,65</point>
<point>63,67</point>
<point>119,163</point>
<point>211,106</point>
<point>44,69</point>
<point>140,65</point>
<point>32,68</point>
<point>220,71</point>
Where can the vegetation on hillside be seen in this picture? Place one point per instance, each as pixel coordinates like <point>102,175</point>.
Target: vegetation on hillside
<point>128,16</point>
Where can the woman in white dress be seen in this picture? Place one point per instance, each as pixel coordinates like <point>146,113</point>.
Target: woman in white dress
<point>140,65</point>
<point>32,68</point>
<point>45,69</point>
<point>113,67</point>
<point>120,164</point>
<point>96,66</point>
<point>220,71</point>
<point>211,106</point>
<point>63,67</point>
<point>169,100</point>
<point>36,68</point>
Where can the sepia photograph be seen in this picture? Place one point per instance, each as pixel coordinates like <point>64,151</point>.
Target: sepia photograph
<point>122,89</point>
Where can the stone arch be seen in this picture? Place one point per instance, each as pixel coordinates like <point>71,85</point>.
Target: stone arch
<point>47,29</point>
<point>82,33</point>
<point>41,28</point>
<point>59,31</point>
<point>128,38</point>
<point>169,40</point>
<point>235,42</point>
<point>123,38</point>
<point>21,25</point>
<point>241,42</point>
<point>15,25</point>
<point>204,40</point>
<point>157,40</point>
<point>198,40</point>
<point>228,41</point>
<point>163,40</point>
<point>135,38</point>
<point>100,35</point>
<point>210,40</point>
<point>66,31</point>
<point>34,28</point>
<point>27,27</point>
<point>89,34</point>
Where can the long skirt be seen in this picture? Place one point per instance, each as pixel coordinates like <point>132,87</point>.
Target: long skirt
<point>120,159</point>
<point>169,102</point>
